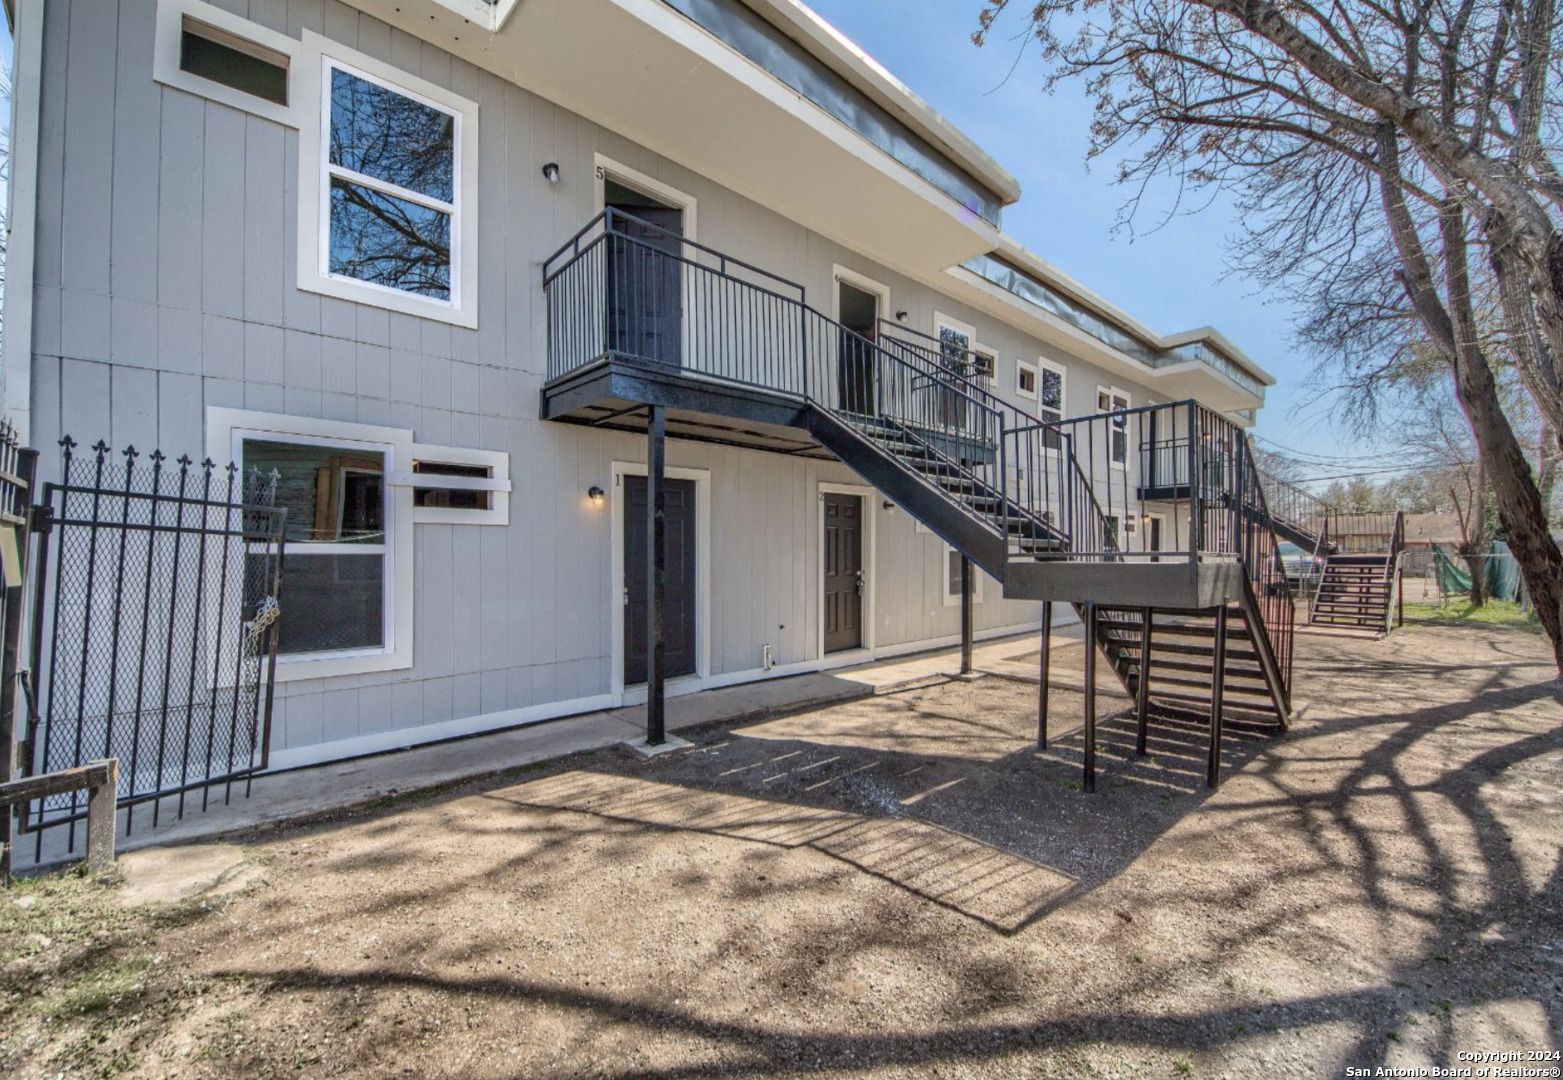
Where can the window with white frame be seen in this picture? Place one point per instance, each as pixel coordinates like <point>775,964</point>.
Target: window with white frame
<point>347,562</point>
<point>336,570</point>
<point>388,189</point>
<point>1115,401</point>
<point>1050,399</point>
<point>1026,380</point>
<point>952,579</point>
<point>956,343</point>
<point>984,363</point>
<point>205,50</point>
<point>457,486</point>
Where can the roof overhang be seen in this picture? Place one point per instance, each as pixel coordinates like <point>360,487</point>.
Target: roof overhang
<point>686,95</point>
<point>1170,382</point>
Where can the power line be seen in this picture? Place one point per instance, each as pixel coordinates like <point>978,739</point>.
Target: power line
<point>1308,457</point>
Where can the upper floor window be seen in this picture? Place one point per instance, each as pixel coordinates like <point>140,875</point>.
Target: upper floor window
<point>208,51</point>
<point>391,169</point>
<point>1115,401</point>
<point>1050,399</point>
<point>1026,380</point>
<point>388,191</point>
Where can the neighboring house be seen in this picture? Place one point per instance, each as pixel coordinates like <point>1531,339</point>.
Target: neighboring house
<point>1425,530</point>
<point>313,236</point>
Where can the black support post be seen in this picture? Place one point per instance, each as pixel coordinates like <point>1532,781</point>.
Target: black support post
<point>1142,697</point>
<point>656,573</point>
<point>1090,697</point>
<point>967,617</point>
<point>1046,673</point>
<point>1217,694</point>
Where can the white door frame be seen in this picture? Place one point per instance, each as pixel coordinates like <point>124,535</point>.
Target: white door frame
<point>870,520</point>
<point>605,167</point>
<point>702,479</point>
<point>839,273</point>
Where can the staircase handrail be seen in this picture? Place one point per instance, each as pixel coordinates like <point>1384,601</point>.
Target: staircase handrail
<point>1277,636</point>
<point>1297,505</point>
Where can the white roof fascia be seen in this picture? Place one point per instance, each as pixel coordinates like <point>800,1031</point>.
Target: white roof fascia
<point>851,62</point>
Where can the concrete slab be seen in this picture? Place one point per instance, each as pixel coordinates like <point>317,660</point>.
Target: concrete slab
<point>751,702</point>
<point>282,796</point>
<point>167,875</point>
<point>669,744</point>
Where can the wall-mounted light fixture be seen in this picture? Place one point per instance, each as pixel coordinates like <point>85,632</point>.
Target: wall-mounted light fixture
<point>551,172</point>
<point>902,316</point>
<point>889,505</point>
<point>596,495</point>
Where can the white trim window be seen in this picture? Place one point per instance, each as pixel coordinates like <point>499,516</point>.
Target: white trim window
<point>957,342</point>
<point>348,559</point>
<point>1025,380</point>
<point>1110,399</point>
<point>952,579</point>
<point>212,53</point>
<point>1052,388</point>
<point>452,485</point>
<point>984,364</point>
<point>388,187</point>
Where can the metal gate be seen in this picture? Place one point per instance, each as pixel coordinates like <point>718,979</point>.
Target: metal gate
<point>154,627</point>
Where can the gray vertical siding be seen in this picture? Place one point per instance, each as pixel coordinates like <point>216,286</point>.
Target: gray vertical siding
<point>165,275</point>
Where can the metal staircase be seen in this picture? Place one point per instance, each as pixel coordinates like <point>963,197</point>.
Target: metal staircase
<point>1151,522</point>
<point>1362,589</point>
<point>1359,584</point>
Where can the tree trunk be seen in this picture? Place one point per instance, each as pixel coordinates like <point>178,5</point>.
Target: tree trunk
<point>1513,485</point>
<point>1549,452</point>
<point>1518,498</point>
<point>1477,541</point>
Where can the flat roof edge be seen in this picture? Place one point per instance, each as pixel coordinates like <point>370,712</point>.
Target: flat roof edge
<point>849,60</point>
<point>1012,250</point>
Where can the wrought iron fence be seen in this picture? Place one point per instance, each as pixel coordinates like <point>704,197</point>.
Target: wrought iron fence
<point>155,625</point>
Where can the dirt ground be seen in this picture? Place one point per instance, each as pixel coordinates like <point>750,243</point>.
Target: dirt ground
<point>896,887</point>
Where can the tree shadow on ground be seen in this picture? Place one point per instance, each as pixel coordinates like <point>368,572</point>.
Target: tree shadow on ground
<point>1401,813</point>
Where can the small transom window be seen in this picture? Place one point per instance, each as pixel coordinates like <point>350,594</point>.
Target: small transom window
<point>229,59</point>
<point>448,498</point>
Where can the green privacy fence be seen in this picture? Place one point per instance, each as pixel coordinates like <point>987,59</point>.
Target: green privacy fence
<point>1502,572</point>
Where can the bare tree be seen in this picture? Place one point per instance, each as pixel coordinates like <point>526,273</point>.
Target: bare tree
<point>1397,167</point>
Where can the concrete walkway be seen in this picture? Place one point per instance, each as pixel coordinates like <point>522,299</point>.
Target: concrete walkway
<point>340,785</point>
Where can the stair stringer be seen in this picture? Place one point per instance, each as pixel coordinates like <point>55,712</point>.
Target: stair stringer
<point>926,503</point>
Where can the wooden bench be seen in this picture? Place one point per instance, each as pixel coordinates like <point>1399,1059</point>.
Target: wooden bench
<point>100,779</point>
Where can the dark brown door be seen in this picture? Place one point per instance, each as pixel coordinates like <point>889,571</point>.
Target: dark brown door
<point>682,586</point>
<point>843,572</point>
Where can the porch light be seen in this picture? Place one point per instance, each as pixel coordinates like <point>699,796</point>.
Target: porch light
<point>902,316</point>
<point>551,172</point>
<point>596,495</point>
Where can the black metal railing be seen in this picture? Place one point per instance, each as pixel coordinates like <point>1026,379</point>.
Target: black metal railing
<point>1083,473</point>
<point>1302,510</point>
<point>1155,483</point>
<point>626,288</point>
<point>155,624</point>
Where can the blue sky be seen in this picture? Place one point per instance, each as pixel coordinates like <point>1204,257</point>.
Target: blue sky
<point>1171,279</point>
